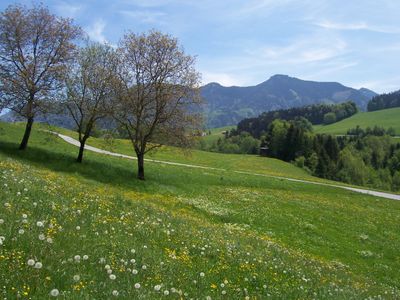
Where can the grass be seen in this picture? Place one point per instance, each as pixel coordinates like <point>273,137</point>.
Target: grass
<point>251,236</point>
<point>383,118</point>
<point>216,133</point>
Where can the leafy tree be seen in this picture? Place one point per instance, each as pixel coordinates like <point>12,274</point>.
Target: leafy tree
<point>35,48</point>
<point>157,93</point>
<point>329,118</point>
<point>89,88</point>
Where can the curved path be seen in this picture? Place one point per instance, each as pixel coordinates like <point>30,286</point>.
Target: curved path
<point>74,142</point>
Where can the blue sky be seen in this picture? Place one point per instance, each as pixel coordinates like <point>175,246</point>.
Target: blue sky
<point>356,43</point>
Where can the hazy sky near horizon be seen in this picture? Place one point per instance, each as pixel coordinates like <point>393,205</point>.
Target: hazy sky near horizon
<point>356,43</point>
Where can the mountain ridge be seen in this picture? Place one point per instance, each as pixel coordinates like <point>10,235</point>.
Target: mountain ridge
<point>229,105</point>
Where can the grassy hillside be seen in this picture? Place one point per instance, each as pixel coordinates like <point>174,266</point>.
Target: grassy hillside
<point>216,133</point>
<point>383,118</point>
<point>183,233</point>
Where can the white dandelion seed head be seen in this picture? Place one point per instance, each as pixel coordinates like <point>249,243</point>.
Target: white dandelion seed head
<point>42,237</point>
<point>115,293</point>
<point>38,265</point>
<point>109,271</point>
<point>107,267</point>
<point>76,278</point>
<point>133,251</point>
<point>223,292</point>
<point>54,293</point>
<point>1,221</point>
<point>134,271</point>
<point>202,274</point>
<point>166,292</point>
<point>77,258</point>
<point>137,285</point>
<point>208,298</point>
<point>78,227</point>
<point>85,257</point>
<point>31,262</point>
<point>157,287</point>
<point>39,224</point>
<point>133,260</point>
<point>21,231</point>
<point>24,216</point>
<point>113,277</point>
<point>49,240</point>
<point>144,267</point>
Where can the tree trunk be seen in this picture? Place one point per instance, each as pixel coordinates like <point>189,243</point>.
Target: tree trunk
<point>81,148</point>
<point>27,134</point>
<point>140,159</point>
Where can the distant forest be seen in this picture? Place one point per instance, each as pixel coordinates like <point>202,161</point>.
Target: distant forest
<point>384,101</point>
<point>315,114</point>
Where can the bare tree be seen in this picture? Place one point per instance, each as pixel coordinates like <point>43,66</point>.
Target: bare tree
<point>35,47</point>
<point>157,93</point>
<point>88,88</point>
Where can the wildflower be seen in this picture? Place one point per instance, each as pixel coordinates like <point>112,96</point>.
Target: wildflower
<point>202,274</point>
<point>78,227</point>
<point>134,271</point>
<point>166,292</point>
<point>115,293</point>
<point>49,240</point>
<point>21,231</point>
<point>31,262</point>
<point>42,237</point>
<point>107,267</point>
<point>137,285</point>
<point>76,277</point>
<point>133,261</point>
<point>77,258</point>
<point>2,239</point>
<point>144,267</point>
<point>1,221</point>
<point>208,298</point>
<point>223,292</point>
<point>7,204</point>
<point>133,251</point>
<point>109,271</point>
<point>39,224</point>
<point>112,277</point>
<point>85,257</point>
<point>24,216</point>
<point>54,293</point>
<point>157,287</point>
<point>38,265</point>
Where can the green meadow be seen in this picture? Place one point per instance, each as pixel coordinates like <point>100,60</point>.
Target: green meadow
<point>93,231</point>
<point>383,118</point>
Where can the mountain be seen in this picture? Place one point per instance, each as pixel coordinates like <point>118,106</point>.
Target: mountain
<point>229,105</point>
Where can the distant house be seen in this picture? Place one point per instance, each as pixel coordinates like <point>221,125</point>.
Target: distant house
<point>264,151</point>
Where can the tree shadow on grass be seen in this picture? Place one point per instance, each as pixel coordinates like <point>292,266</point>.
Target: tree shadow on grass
<point>106,171</point>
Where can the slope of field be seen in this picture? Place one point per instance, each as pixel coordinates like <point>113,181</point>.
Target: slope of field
<point>383,118</point>
<point>216,133</point>
<point>93,231</point>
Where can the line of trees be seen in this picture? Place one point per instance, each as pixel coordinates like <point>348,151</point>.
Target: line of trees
<point>316,114</point>
<point>384,101</point>
<point>147,85</point>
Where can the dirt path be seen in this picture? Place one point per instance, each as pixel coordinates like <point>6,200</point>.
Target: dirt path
<point>74,142</point>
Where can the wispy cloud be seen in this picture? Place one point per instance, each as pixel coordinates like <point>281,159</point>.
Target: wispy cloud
<point>356,26</point>
<point>68,9</point>
<point>96,31</point>
<point>145,16</point>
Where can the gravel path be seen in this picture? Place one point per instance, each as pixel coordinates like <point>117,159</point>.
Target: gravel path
<point>74,142</point>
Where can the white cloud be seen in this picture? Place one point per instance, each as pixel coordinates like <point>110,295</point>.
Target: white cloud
<point>68,9</point>
<point>96,31</point>
<point>381,85</point>
<point>145,16</point>
<point>356,26</point>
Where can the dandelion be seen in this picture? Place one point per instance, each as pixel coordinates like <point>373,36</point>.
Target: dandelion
<point>1,221</point>
<point>85,257</point>
<point>133,261</point>
<point>115,293</point>
<point>21,231</point>
<point>134,271</point>
<point>107,267</point>
<point>38,265</point>
<point>31,262</point>
<point>7,204</point>
<point>76,277</point>
<point>202,274</point>
<point>223,292</point>
<point>102,260</point>
<point>39,224</point>
<point>137,285</point>
<point>112,277</point>
<point>208,298</point>
<point>54,293</point>
<point>77,258</point>
<point>157,287</point>
<point>166,292</point>
<point>42,237</point>
<point>133,251</point>
<point>24,216</point>
<point>49,240</point>
<point>109,271</point>
<point>144,267</point>
<point>78,227</point>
